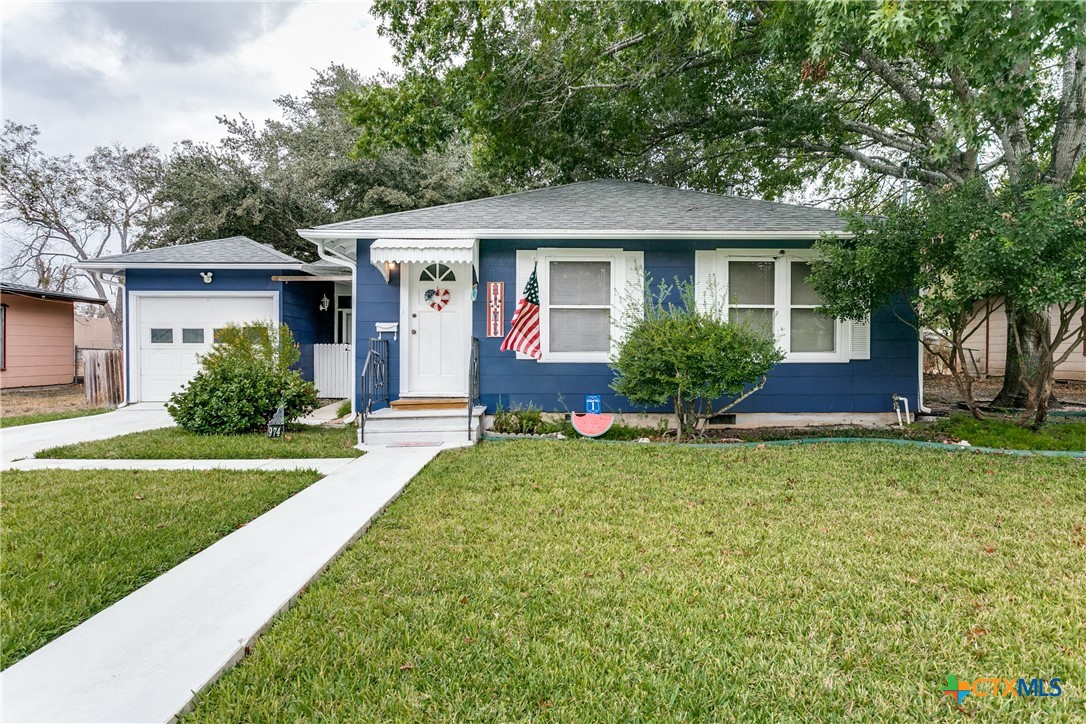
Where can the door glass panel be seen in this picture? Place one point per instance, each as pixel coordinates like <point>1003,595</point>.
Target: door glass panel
<point>580,330</point>
<point>161,336</point>
<point>580,282</point>
<point>750,282</point>
<point>192,336</point>
<point>437,273</point>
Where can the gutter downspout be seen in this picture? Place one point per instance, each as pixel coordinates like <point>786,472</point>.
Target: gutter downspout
<point>920,408</point>
<point>101,275</point>
<point>333,256</point>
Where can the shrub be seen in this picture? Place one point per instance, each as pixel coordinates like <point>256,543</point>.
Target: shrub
<point>519,420</point>
<point>344,409</point>
<point>692,357</point>
<point>242,381</point>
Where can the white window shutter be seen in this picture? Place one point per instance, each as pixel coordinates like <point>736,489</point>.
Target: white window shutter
<point>634,288</point>
<point>705,279</point>
<point>860,339</point>
<point>526,259</point>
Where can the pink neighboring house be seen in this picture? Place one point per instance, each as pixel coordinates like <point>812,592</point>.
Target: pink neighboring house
<point>37,335</point>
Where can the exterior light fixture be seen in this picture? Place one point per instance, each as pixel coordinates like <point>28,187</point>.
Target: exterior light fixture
<point>324,302</point>
<point>206,276</point>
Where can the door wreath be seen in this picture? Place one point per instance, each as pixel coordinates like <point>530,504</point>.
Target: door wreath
<point>437,298</point>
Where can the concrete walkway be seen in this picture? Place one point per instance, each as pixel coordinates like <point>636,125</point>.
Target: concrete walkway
<point>324,466</point>
<point>143,658</point>
<point>23,441</point>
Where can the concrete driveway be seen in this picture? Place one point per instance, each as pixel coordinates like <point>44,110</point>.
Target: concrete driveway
<point>23,441</point>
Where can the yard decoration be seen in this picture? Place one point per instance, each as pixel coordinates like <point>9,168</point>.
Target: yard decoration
<point>590,424</point>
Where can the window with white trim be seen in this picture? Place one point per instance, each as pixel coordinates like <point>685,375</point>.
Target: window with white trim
<point>582,298</point>
<point>809,331</point>
<point>771,289</point>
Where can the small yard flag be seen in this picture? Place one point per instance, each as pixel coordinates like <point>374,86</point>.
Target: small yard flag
<point>524,326</point>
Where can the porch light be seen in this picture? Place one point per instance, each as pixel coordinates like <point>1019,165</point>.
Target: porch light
<point>391,266</point>
<point>325,302</point>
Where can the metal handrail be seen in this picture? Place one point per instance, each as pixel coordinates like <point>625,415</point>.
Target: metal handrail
<point>374,381</point>
<point>473,381</point>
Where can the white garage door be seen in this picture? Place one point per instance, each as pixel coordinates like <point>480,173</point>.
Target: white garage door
<point>173,331</point>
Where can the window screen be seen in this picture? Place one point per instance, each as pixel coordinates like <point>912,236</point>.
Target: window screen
<point>579,297</point>
<point>810,331</point>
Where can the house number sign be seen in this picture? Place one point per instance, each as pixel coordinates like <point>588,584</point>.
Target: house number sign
<point>495,323</point>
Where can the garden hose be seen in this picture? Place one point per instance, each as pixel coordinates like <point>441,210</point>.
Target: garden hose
<point>1081,454</point>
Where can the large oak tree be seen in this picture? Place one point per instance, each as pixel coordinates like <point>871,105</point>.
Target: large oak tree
<point>842,101</point>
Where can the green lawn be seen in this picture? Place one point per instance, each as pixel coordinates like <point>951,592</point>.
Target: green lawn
<point>1059,434</point>
<point>76,541</point>
<point>171,443</point>
<point>17,420</point>
<point>587,582</point>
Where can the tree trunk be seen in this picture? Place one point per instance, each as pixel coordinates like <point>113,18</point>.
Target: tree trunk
<point>1013,393</point>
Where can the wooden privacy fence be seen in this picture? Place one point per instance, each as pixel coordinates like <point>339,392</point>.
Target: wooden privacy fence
<point>103,377</point>
<point>332,370</point>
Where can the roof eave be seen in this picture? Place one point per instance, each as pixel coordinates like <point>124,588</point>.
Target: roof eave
<point>117,267</point>
<point>318,236</point>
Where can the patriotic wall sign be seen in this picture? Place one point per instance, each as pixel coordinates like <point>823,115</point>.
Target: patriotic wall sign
<point>495,319</point>
<point>523,334</point>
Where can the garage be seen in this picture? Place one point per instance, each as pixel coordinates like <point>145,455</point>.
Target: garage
<point>173,330</point>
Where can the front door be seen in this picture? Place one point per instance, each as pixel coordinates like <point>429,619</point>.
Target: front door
<point>438,329</point>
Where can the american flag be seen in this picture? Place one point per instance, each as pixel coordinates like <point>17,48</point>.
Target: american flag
<point>524,326</point>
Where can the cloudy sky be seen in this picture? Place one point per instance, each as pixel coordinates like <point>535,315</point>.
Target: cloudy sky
<point>89,74</point>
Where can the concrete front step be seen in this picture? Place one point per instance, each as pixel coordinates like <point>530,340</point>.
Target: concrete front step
<point>388,426</point>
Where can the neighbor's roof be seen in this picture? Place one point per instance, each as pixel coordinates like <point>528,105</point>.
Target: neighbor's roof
<point>26,291</point>
<point>597,209</point>
<point>234,251</point>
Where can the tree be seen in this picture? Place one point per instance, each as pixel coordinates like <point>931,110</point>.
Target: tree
<point>842,100</point>
<point>1034,251</point>
<point>956,255</point>
<point>691,357</point>
<point>57,210</point>
<point>268,180</point>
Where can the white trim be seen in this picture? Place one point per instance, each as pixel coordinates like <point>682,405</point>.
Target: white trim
<point>133,319</point>
<point>93,265</point>
<point>406,272</point>
<point>323,235</point>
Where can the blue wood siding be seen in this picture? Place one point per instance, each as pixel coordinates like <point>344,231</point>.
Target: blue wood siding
<point>856,386</point>
<point>376,301</point>
<point>298,302</point>
<point>300,308</point>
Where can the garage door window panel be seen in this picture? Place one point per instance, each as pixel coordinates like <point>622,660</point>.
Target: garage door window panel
<point>192,336</point>
<point>161,335</point>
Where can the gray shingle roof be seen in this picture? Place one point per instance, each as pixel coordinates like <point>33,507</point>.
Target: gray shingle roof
<point>606,205</point>
<point>232,251</point>
<point>37,293</point>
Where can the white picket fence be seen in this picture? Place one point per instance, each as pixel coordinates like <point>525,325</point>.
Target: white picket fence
<point>332,370</point>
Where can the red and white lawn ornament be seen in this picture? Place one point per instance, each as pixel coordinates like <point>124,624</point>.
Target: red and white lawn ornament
<point>591,424</point>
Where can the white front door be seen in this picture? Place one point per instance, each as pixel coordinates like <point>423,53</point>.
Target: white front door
<point>438,329</point>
